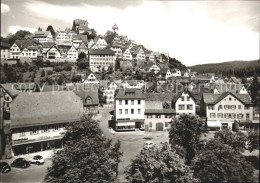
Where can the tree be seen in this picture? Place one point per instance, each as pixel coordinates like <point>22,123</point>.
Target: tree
<point>158,165</point>
<point>81,55</point>
<point>82,64</point>
<point>87,155</point>
<point>50,28</point>
<point>116,154</point>
<point>186,132</point>
<point>43,73</point>
<point>236,140</point>
<point>221,163</point>
<point>92,35</point>
<point>61,80</point>
<point>117,65</point>
<point>254,90</point>
<point>253,140</point>
<point>101,97</point>
<point>110,69</point>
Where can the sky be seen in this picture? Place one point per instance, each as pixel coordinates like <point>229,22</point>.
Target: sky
<point>194,32</point>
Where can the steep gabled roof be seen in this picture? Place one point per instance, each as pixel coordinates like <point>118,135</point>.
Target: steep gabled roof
<point>160,97</point>
<point>48,44</point>
<point>109,38</point>
<point>210,98</point>
<point>26,43</point>
<point>54,47</point>
<point>43,108</point>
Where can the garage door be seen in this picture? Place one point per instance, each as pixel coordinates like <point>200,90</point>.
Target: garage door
<point>159,126</point>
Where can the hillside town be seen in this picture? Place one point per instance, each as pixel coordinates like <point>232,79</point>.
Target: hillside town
<point>51,79</point>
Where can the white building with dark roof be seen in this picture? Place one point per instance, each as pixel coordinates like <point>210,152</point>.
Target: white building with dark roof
<point>101,59</point>
<point>38,119</point>
<point>43,36</point>
<point>222,110</point>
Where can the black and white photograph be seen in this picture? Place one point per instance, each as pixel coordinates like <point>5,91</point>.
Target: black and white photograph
<point>138,91</point>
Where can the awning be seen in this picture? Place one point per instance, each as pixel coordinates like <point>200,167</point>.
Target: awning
<point>214,123</point>
<point>126,124</point>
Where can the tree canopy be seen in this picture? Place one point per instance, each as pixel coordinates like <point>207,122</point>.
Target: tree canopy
<point>254,90</point>
<point>253,140</point>
<point>237,140</point>
<point>219,162</point>
<point>50,28</point>
<point>186,132</point>
<point>87,155</point>
<point>158,165</point>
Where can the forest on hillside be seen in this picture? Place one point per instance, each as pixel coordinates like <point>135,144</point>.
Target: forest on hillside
<point>235,68</point>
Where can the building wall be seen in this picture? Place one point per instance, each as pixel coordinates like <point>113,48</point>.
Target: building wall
<point>15,52</point>
<point>101,43</point>
<point>72,53</point>
<point>229,115</point>
<point>130,106</point>
<point>26,134</point>
<point>151,120</point>
<point>5,53</point>
<point>101,60</point>
<point>54,50</point>
<point>127,55</point>
<point>185,103</point>
<point>29,53</point>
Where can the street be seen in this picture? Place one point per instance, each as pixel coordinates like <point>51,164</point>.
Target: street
<point>32,174</point>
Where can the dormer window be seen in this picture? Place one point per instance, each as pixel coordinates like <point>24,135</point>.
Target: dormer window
<point>88,100</point>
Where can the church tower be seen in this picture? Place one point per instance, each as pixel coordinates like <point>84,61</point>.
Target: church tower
<point>115,28</point>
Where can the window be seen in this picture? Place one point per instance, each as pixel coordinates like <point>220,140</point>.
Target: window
<point>219,107</point>
<point>139,101</point>
<point>182,98</point>
<point>22,132</point>
<point>211,107</point>
<point>189,107</point>
<point>166,124</point>
<point>226,115</point>
<point>7,98</point>
<point>132,111</point>
<point>246,107</point>
<point>45,129</point>
<point>230,99</point>
<point>132,102</point>
<point>149,116</point>
<point>181,107</point>
<point>126,102</point>
<point>188,98</point>
<point>247,115</point>
<point>220,115</point>
<point>150,124</point>
<point>212,115</point>
<point>240,116</point>
<point>7,105</point>
<point>139,111</point>
<point>226,107</point>
<point>233,116</point>
<point>239,106</point>
<point>233,107</point>
<point>120,111</point>
<point>56,127</point>
<point>126,111</point>
<point>34,131</point>
<point>157,116</point>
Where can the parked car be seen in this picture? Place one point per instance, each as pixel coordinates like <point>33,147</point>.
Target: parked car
<point>20,162</point>
<point>149,144</point>
<point>38,160</point>
<point>4,167</point>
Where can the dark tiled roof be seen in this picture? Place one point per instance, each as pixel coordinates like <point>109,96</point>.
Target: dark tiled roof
<point>48,44</point>
<point>42,108</point>
<point>41,34</point>
<point>85,94</point>
<point>26,43</point>
<point>109,38</point>
<point>162,97</point>
<point>227,87</point>
<point>210,98</point>
<point>101,52</point>
<point>159,111</point>
<point>124,94</point>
